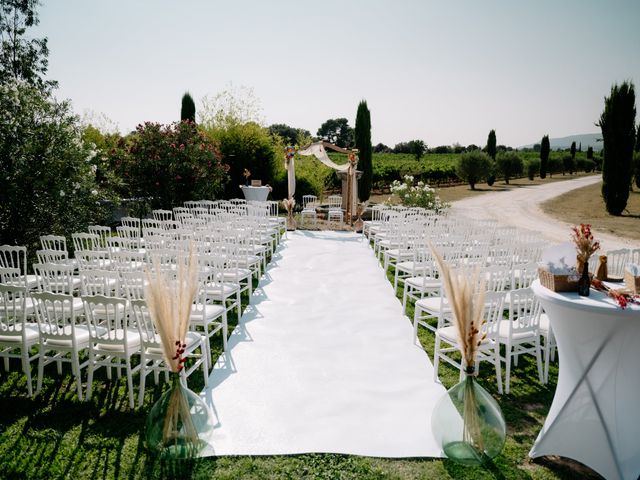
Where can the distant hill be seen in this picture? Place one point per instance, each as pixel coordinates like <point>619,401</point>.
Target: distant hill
<point>587,139</point>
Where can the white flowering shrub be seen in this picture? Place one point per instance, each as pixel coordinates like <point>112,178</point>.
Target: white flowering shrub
<point>47,178</point>
<point>419,195</point>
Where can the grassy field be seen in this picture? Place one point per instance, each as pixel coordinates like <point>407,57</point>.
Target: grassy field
<point>54,436</point>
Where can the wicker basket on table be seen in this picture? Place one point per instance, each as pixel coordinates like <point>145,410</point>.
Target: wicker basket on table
<point>558,283</point>
<point>632,282</point>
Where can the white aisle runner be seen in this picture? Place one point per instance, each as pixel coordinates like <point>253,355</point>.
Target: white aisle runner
<point>323,361</point>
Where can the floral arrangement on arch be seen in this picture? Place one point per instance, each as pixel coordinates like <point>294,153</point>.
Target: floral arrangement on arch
<point>419,195</point>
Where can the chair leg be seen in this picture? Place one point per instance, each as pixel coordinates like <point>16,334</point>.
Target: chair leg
<point>90,376</point>
<point>40,370</point>
<point>539,360</point>
<point>496,360</point>
<point>404,298</point>
<point>143,378</point>
<point>205,361</point>
<point>26,366</point>
<point>507,359</point>
<point>436,357</point>
<point>239,302</point>
<point>132,403</point>
<point>75,367</point>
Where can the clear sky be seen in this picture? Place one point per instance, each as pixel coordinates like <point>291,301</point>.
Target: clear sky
<point>442,71</point>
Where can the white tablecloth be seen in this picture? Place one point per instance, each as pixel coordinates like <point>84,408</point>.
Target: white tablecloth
<point>259,194</point>
<point>595,414</point>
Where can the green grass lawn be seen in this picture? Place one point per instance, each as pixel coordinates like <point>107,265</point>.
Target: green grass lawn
<point>54,436</point>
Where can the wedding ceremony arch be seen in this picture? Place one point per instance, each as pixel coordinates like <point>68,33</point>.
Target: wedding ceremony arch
<point>318,150</point>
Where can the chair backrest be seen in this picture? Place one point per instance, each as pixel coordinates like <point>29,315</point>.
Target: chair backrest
<point>108,319</point>
<point>492,313</point>
<point>13,310</point>
<point>617,260</point>
<point>93,259</point>
<point>523,275</point>
<point>52,256</point>
<point>85,241</point>
<point>55,315</point>
<point>146,327</point>
<point>132,222</point>
<point>103,233</point>
<point>132,284</point>
<point>335,201</point>
<point>151,223</point>
<point>55,278</point>
<point>524,310</point>
<point>497,277</point>
<point>10,276</point>
<point>127,260</point>
<point>53,242</point>
<point>307,199</point>
<point>162,215</point>
<point>100,282</point>
<point>14,256</point>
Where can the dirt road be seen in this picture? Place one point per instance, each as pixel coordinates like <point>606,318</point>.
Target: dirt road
<point>520,207</point>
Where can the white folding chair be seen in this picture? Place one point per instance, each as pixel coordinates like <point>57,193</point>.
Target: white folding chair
<point>17,336</point>
<point>61,334</point>
<point>114,339</point>
<point>151,357</point>
<point>520,334</point>
<point>446,341</point>
<point>14,256</point>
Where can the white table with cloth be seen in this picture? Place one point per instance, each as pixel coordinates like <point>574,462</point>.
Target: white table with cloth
<point>259,194</point>
<point>595,414</point>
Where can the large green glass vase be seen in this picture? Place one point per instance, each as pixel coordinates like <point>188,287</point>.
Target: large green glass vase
<point>178,424</point>
<point>468,423</point>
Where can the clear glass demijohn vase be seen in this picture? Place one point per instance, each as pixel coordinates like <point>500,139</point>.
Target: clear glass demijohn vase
<point>467,422</point>
<point>178,424</point>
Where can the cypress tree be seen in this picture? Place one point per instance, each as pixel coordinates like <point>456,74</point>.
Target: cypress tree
<point>638,140</point>
<point>573,150</point>
<point>617,123</point>
<point>544,155</point>
<point>363,144</point>
<point>188,110</point>
<point>492,145</point>
<point>590,153</point>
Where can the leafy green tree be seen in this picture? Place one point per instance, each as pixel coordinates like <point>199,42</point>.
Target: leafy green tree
<point>509,165</point>
<point>169,164</point>
<point>554,165</point>
<point>47,183</point>
<point>381,148</point>
<point>568,164</point>
<point>492,149</point>
<point>533,168</point>
<point>545,148</point>
<point>572,150</point>
<point>617,123</point>
<point>22,58</point>
<point>290,135</point>
<point>247,146</point>
<point>188,110</point>
<point>337,131</point>
<point>417,148</point>
<point>363,144</point>
<point>474,166</point>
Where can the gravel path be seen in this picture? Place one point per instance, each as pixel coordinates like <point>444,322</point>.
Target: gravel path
<point>520,207</point>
